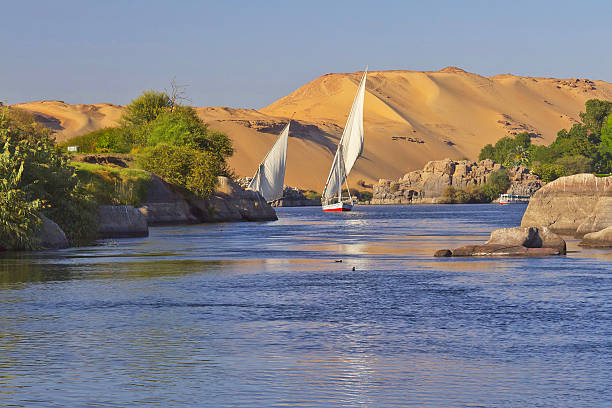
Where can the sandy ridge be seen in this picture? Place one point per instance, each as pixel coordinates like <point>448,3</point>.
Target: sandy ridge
<point>411,117</point>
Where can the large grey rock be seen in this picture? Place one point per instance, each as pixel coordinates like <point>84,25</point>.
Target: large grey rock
<point>566,203</point>
<point>529,237</point>
<point>50,235</point>
<point>601,239</point>
<point>165,205</point>
<point>601,217</point>
<point>502,250</point>
<point>121,221</point>
<point>230,202</point>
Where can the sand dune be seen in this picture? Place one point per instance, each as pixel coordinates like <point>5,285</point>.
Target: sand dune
<point>410,118</point>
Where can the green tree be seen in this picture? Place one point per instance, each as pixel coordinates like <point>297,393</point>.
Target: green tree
<point>606,135</point>
<point>146,108</point>
<point>487,152</point>
<point>595,114</point>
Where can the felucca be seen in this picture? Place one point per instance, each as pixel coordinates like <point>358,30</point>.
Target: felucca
<point>349,149</point>
<point>269,179</point>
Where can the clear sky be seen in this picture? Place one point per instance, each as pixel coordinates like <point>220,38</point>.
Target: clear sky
<point>251,53</point>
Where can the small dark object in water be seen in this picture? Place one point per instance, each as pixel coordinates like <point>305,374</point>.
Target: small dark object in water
<point>338,260</point>
<point>353,268</point>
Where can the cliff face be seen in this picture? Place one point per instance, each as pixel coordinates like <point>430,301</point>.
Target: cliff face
<point>427,185</point>
<point>575,204</point>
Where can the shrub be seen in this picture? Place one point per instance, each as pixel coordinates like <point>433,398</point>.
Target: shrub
<point>107,140</point>
<point>45,178</point>
<point>184,166</point>
<point>549,172</point>
<point>575,164</point>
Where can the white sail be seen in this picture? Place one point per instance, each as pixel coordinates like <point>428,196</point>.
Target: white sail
<point>269,179</point>
<point>350,146</point>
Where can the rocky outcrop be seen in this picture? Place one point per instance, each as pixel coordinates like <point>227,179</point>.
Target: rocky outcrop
<point>571,205</point>
<point>292,196</point>
<point>164,205</point>
<point>427,185</point>
<point>121,221</point>
<point>599,239</point>
<point>230,202</point>
<point>50,235</point>
<point>517,241</point>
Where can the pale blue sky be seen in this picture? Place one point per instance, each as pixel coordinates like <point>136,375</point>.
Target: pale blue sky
<point>250,53</point>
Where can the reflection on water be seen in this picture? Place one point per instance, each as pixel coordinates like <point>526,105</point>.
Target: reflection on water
<point>261,314</point>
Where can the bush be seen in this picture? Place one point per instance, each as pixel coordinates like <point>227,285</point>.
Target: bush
<point>312,195</point>
<point>107,140</point>
<point>19,220</point>
<point>575,164</point>
<point>184,166</point>
<point>549,172</point>
<point>45,178</point>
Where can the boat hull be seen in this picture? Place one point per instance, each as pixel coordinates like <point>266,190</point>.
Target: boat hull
<point>337,207</point>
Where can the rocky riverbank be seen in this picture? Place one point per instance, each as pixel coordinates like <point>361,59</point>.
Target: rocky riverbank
<point>292,196</point>
<point>165,205</point>
<point>427,186</point>
<point>579,205</point>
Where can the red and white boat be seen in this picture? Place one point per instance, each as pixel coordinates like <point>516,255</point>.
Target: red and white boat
<point>349,149</point>
<point>341,206</point>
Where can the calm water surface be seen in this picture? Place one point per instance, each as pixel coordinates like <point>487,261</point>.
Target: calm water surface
<point>261,314</point>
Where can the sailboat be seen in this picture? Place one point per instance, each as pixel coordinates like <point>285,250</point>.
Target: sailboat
<point>269,179</point>
<point>349,149</point>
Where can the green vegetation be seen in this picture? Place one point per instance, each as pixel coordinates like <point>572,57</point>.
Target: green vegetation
<point>36,179</point>
<point>107,140</point>
<point>168,139</point>
<point>113,185</point>
<point>497,184</point>
<point>312,195</point>
<point>586,147</point>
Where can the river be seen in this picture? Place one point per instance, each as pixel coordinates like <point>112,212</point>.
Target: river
<point>264,314</point>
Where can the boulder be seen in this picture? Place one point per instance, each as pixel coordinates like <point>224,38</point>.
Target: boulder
<point>502,250</point>
<point>230,202</point>
<point>530,241</point>
<point>443,253</point>
<point>601,217</point>
<point>50,235</point>
<point>566,203</point>
<point>121,221</point>
<point>529,237</point>
<point>601,239</point>
<point>164,205</point>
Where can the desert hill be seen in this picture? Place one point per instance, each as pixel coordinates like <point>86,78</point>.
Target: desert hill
<point>410,118</point>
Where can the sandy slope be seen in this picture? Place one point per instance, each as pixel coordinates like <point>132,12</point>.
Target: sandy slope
<point>410,118</point>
